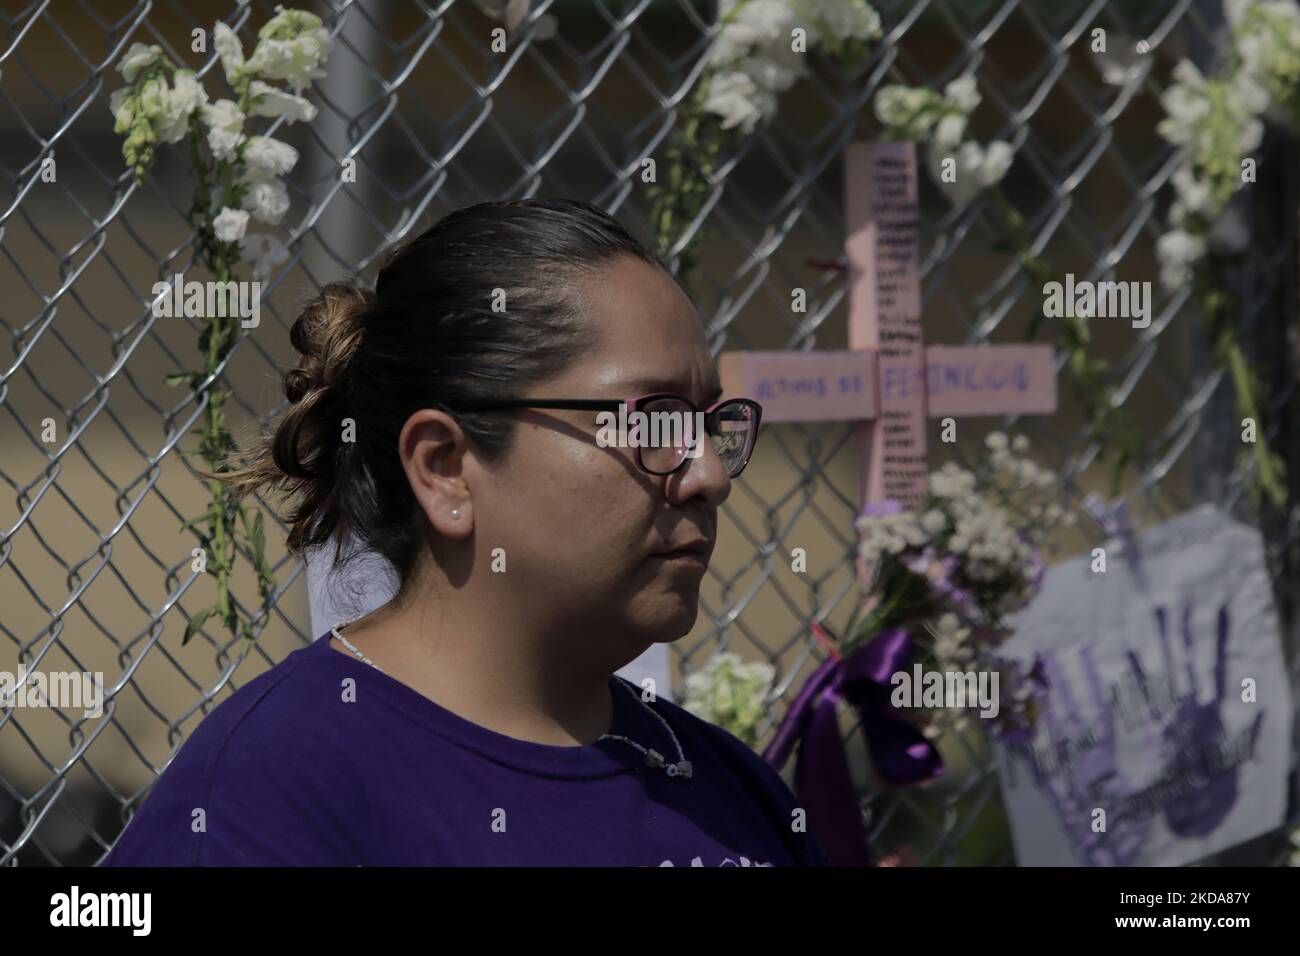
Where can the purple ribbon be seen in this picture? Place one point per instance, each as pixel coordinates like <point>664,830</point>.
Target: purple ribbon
<point>899,751</point>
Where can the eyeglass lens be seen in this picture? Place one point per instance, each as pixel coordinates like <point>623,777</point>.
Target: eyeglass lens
<point>731,429</point>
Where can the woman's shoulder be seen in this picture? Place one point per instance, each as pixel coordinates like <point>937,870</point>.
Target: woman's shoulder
<point>284,710</point>
<point>252,773</point>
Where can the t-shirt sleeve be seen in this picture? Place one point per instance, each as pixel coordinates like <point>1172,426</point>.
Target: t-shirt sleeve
<point>255,795</point>
<point>269,807</point>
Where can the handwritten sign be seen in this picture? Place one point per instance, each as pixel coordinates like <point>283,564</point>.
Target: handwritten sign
<point>989,380</point>
<point>804,386</point>
<point>847,386</point>
<point>1168,711</point>
<point>885,312</point>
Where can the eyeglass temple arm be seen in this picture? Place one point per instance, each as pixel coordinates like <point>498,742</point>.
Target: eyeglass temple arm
<point>611,404</point>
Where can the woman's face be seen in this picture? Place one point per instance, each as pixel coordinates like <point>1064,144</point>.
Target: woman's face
<point>583,527</point>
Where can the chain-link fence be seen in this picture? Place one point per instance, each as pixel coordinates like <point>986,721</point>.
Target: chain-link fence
<point>95,567</point>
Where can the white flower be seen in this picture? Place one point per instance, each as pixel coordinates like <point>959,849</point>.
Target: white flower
<point>997,160</point>
<point>267,199</point>
<point>225,125</point>
<point>934,521</point>
<point>950,639</point>
<point>1177,251</point>
<point>759,25</point>
<point>1235,11</point>
<point>852,20</point>
<point>266,157</point>
<point>897,106</point>
<point>123,115</point>
<point>962,93</point>
<point>769,73</point>
<point>1185,104</point>
<point>264,251</point>
<point>291,47</point>
<point>836,21</point>
<point>137,58</point>
<point>267,100</point>
<point>765,21</point>
<point>1245,95</point>
<point>948,132</point>
<point>1229,233</point>
<point>997,441</point>
<point>1196,195</point>
<point>230,224</point>
<point>1250,136</point>
<point>228,49</point>
<point>737,99</point>
<point>187,95</point>
<point>951,481</point>
<point>967,177</point>
<point>187,92</point>
<point>153,99</point>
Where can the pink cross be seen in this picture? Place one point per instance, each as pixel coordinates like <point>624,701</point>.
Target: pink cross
<point>890,381</point>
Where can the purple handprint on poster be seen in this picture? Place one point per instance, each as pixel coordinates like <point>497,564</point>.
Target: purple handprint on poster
<point>1193,782</point>
<point>1195,736</point>
<point>1167,708</point>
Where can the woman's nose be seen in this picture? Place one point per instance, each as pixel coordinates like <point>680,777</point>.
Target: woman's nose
<point>704,475</point>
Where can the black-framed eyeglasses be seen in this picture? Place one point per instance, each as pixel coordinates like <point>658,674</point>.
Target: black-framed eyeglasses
<point>731,424</point>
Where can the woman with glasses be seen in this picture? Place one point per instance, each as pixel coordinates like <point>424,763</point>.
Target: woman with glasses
<point>450,419</point>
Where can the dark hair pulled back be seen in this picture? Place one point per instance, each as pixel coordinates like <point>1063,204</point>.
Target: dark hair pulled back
<point>426,336</point>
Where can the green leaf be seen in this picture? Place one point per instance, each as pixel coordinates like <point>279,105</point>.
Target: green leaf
<point>196,622</point>
<point>259,539</point>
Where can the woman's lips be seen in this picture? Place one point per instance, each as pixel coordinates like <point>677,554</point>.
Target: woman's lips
<point>684,558</point>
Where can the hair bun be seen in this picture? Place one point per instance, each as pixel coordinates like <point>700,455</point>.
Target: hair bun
<point>327,333</point>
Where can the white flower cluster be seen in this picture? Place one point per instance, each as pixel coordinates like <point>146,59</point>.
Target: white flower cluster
<point>291,48</point>
<point>951,642</point>
<point>1029,492</point>
<point>730,693</point>
<point>952,650</point>
<point>753,57</point>
<point>1266,37</point>
<point>986,540</point>
<point>1218,122</point>
<point>150,110</point>
<point>919,114</point>
<point>993,522</point>
<point>889,534</point>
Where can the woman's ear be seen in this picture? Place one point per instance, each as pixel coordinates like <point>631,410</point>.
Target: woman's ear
<point>433,447</point>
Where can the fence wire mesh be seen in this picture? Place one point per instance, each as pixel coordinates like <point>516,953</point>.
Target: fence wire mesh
<point>94,565</point>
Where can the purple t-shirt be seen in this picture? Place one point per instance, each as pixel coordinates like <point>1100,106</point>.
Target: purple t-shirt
<point>325,761</point>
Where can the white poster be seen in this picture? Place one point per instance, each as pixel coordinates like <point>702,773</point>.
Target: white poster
<point>1165,734</point>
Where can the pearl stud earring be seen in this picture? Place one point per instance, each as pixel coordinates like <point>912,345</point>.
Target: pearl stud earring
<point>455,512</point>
